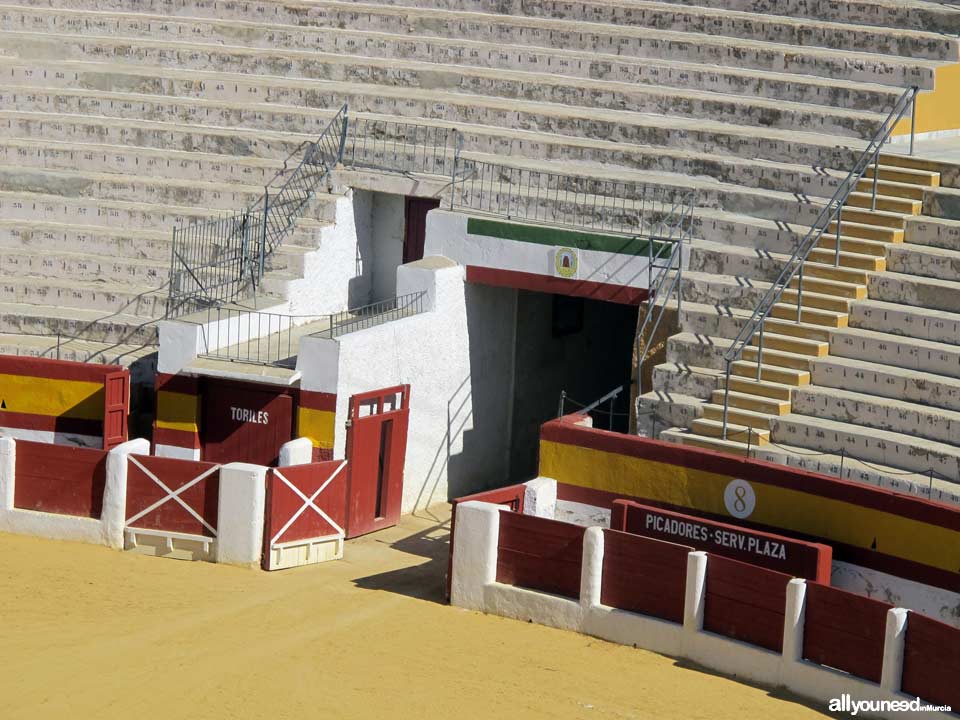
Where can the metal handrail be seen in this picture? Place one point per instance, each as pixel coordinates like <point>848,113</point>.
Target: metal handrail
<point>794,265</point>
<point>610,398</point>
<point>250,336</point>
<point>378,313</point>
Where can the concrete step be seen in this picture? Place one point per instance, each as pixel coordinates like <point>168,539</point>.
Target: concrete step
<point>872,263</point>
<point>906,352</point>
<point>754,403</point>
<point>103,296</point>
<point>645,42</point>
<point>934,232</point>
<point>461,49</point>
<point>905,320</point>
<point>886,203</point>
<point>682,436</point>
<point>657,411</point>
<point>949,171</point>
<point>883,413</point>
<point>740,416</point>
<point>860,246</point>
<point>812,299</point>
<point>866,231</point>
<point>781,358</point>
<point>791,344</point>
<point>814,316</point>
<point>47,322</point>
<point>877,218</point>
<point>889,189</point>
<point>931,293</point>
<point>732,431</point>
<point>751,386</point>
<point>942,202</point>
<point>671,378</point>
<point>924,261</point>
<point>882,380</point>
<point>800,330</point>
<point>770,372</point>
<point>467,80</point>
<point>894,173</point>
<point>143,358</point>
<point>83,266</point>
<point>823,286</point>
<point>891,449</point>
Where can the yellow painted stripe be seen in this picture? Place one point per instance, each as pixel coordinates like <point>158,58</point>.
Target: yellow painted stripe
<point>777,507</point>
<point>48,396</point>
<point>178,411</point>
<point>318,425</point>
<point>937,109</point>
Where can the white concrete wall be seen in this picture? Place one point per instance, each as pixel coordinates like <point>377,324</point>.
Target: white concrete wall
<point>474,586</point>
<point>387,245</point>
<point>452,356</point>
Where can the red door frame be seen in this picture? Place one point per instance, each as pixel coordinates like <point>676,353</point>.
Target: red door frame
<point>376,459</point>
<point>116,407</point>
<point>415,226</point>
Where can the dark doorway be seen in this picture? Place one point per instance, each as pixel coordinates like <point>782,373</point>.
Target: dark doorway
<point>415,213</point>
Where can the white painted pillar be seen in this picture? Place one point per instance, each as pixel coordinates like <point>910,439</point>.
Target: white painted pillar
<point>591,570</point>
<point>8,472</point>
<point>114,513</point>
<point>296,452</point>
<point>794,617</point>
<point>694,601</point>
<point>893,643</point>
<point>241,513</point>
<point>474,553</point>
<point>540,497</point>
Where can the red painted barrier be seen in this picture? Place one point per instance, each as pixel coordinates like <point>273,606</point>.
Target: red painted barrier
<point>812,561</point>
<point>644,575</point>
<point>304,502</point>
<point>931,661</point>
<point>192,484</point>
<point>745,602</point>
<point>845,631</point>
<point>511,496</point>
<point>540,554</point>
<point>59,479</point>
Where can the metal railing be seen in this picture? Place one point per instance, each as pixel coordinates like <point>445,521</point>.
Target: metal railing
<point>397,146</point>
<point>378,313</point>
<point>217,261</point>
<point>560,199</point>
<point>659,293</point>
<point>609,398</point>
<point>830,215</point>
<point>250,336</point>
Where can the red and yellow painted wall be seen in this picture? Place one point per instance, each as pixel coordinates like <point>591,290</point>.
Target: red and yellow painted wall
<point>56,401</point>
<point>938,110</point>
<point>178,428</point>
<point>904,536</point>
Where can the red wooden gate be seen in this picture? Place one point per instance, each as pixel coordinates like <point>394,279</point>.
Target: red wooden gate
<point>376,448</point>
<point>171,506</point>
<point>241,424</point>
<point>306,514</point>
<point>116,402</point>
<point>415,230</point>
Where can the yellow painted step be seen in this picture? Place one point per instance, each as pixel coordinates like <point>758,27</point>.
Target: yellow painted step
<point>740,433</point>
<point>877,218</point>
<point>816,300</point>
<point>791,327</point>
<point>872,263</point>
<point>756,403</point>
<point>854,276</point>
<point>792,344</point>
<point>903,206</point>
<point>824,286</point>
<point>814,316</point>
<point>870,232</point>
<point>891,189</point>
<point>773,373</point>
<point>766,388</point>
<point>776,357</point>
<point>904,174</point>
<point>746,418</point>
<point>861,246</point>
<point>707,443</point>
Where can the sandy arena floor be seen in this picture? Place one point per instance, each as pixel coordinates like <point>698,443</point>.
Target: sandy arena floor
<point>86,632</point>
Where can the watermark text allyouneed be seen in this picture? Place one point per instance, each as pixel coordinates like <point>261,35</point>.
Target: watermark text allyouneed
<point>847,704</point>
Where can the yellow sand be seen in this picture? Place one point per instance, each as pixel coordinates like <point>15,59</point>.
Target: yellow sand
<point>87,632</point>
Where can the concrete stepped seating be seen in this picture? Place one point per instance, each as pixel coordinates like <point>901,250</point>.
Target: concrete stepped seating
<point>877,379</point>
<point>905,320</point>
<point>458,50</point>
<point>143,357</point>
<point>883,413</point>
<point>612,37</point>
<point>72,321</point>
<point>923,261</point>
<point>912,353</point>
<point>512,84</point>
<point>893,449</point>
<point>926,292</point>
<point>934,232</point>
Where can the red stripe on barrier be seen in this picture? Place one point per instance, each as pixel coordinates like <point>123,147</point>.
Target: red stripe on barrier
<point>54,369</point>
<point>318,400</point>
<point>51,423</point>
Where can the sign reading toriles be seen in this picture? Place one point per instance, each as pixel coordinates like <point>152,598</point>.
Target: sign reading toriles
<point>566,262</point>
<point>775,552</point>
<point>260,417</point>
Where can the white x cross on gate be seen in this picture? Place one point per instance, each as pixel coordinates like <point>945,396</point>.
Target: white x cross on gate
<point>172,495</point>
<point>308,503</point>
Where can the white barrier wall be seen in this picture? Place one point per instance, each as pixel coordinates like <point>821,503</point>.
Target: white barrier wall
<point>474,586</point>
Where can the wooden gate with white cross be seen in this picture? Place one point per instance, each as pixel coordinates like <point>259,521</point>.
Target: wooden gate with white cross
<point>171,507</point>
<point>305,514</point>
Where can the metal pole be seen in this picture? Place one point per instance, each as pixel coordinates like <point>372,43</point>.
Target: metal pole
<point>263,235</point>
<point>836,258</point>
<point>760,351</point>
<point>343,133</point>
<point>563,396</point>
<point>799,292</point>
<point>610,417</point>
<point>931,482</point>
<point>679,279</point>
<point>843,455</point>
<point>876,176</point>
<point>913,119</point>
<point>726,403</point>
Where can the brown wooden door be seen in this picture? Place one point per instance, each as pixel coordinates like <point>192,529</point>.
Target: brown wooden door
<point>376,450</point>
<point>116,407</point>
<point>415,214</point>
<point>244,425</point>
